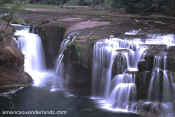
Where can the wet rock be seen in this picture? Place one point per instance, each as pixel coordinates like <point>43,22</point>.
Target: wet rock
<point>77,77</point>
<point>171,64</point>
<point>119,65</point>
<point>11,79</point>
<point>148,62</point>
<point>84,52</point>
<point>148,109</point>
<point>171,59</point>
<point>146,65</point>
<point>154,109</point>
<point>52,36</point>
<point>11,58</point>
<point>156,50</point>
<point>12,73</point>
<point>142,84</point>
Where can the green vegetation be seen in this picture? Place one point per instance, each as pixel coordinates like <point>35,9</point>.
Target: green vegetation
<point>10,5</point>
<point>78,49</point>
<point>129,5</point>
<point>9,14</point>
<point>70,44</point>
<point>18,20</point>
<point>2,2</point>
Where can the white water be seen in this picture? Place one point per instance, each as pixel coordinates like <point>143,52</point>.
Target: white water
<point>63,47</point>
<point>160,78</point>
<point>118,92</point>
<point>34,64</point>
<point>124,91</point>
<point>60,64</point>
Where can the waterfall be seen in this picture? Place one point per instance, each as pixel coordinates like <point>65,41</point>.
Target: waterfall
<point>124,91</point>
<point>161,86</point>
<point>64,44</point>
<point>114,70</point>
<point>31,47</point>
<point>105,52</point>
<point>118,91</point>
<point>63,47</point>
<point>34,63</point>
<point>155,80</point>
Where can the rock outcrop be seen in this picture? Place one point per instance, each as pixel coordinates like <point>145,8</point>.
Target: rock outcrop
<point>51,36</point>
<point>12,73</point>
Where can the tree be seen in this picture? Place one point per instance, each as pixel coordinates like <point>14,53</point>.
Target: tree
<point>8,16</point>
<point>2,2</point>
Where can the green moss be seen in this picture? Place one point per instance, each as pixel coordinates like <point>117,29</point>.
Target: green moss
<point>78,38</point>
<point>18,20</point>
<point>94,38</point>
<point>69,44</point>
<point>78,49</point>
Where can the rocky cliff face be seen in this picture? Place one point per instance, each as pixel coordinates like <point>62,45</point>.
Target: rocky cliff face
<point>51,36</point>
<point>12,73</point>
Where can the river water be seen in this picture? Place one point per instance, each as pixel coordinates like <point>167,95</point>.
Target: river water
<point>41,99</point>
<point>47,93</point>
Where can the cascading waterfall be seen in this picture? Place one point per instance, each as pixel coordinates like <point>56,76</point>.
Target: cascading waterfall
<point>124,90</point>
<point>63,47</point>
<point>31,46</point>
<point>155,80</point>
<point>120,90</point>
<point>160,79</point>
<point>59,65</point>
<point>117,92</point>
<point>161,90</point>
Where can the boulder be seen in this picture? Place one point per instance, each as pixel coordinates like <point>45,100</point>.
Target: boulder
<point>12,73</point>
